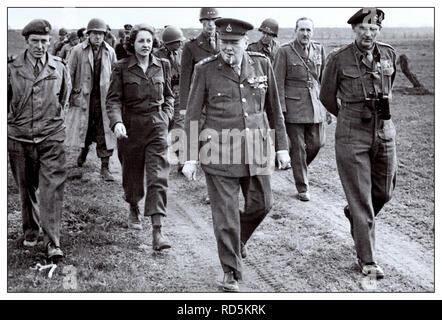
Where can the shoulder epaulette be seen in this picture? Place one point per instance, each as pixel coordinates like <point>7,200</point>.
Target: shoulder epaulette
<point>384,45</point>
<point>208,59</point>
<point>257,54</point>
<point>285,44</point>
<point>337,51</point>
<point>192,39</point>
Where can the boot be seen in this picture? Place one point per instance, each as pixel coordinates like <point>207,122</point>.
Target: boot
<point>82,156</point>
<point>159,242</point>
<point>105,173</point>
<point>134,220</point>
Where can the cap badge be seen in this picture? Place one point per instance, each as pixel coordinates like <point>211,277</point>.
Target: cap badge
<point>229,28</point>
<point>46,29</point>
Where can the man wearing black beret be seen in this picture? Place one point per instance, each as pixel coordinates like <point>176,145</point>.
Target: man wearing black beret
<point>38,90</point>
<point>360,76</point>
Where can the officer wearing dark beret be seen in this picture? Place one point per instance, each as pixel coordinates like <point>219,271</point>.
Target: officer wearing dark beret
<point>37,26</point>
<point>360,76</point>
<point>38,81</point>
<point>238,91</point>
<point>367,15</point>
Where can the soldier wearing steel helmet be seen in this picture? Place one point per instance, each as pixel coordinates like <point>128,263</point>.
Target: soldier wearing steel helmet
<point>173,38</point>
<point>360,76</point>
<point>62,40</point>
<point>267,44</point>
<point>90,64</point>
<point>195,50</point>
<point>38,91</point>
<point>66,50</point>
<point>238,90</point>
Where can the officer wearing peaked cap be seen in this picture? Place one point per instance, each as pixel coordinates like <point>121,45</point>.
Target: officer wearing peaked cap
<point>38,91</point>
<point>361,75</point>
<point>238,90</point>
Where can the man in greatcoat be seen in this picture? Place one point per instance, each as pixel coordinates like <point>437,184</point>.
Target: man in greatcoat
<point>90,65</point>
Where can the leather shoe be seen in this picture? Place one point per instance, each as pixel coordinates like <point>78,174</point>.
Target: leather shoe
<point>371,269</point>
<point>54,252</point>
<point>243,251</point>
<point>134,220</point>
<point>159,242</point>
<point>106,175</point>
<point>304,196</point>
<point>230,284</point>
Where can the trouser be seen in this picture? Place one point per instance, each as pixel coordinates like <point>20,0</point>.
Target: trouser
<point>40,166</point>
<point>144,153</point>
<point>366,161</point>
<point>305,142</point>
<point>231,226</point>
<point>95,129</point>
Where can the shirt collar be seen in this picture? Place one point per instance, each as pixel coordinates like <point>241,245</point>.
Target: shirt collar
<point>32,60</point>
<point>360,53</point>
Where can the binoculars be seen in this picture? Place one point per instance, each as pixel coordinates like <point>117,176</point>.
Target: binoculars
<point>380,103</point>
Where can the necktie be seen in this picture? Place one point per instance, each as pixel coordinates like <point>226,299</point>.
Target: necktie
<point>306,51</point>
<point>237,69</point>
<point>368,59</point>
<point>36,68</point>
<point>212,43</point>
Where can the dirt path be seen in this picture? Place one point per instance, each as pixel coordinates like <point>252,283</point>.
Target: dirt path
<point>299,247</point>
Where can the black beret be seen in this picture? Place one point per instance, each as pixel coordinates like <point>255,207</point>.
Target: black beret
<point>367,15</point>
<point>232,29</point>
<point>37,26</point>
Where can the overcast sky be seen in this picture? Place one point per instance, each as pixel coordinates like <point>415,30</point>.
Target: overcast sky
<point>73,18</point>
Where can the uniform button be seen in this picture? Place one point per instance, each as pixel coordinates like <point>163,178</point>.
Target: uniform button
<point>243,100</point>
<point>247,129</point>
<point>246,114</point>
<point>241,85</point>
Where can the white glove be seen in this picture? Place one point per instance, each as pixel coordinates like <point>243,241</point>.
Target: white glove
<point>189,170</point>
<point>120,130</point>
<point>283,159</point>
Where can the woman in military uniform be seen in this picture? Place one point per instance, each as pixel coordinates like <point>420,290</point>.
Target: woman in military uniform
<point>140,106</point>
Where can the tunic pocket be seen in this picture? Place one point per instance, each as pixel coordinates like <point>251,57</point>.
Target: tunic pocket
<point>353,79</point>
<point>131,87</point>
<point>158,88</point>
<point>387,131</point>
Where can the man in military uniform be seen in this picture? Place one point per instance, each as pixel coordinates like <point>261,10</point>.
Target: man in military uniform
<point>81,35</point>
<point>238,90</point>
<point>120,48</point>
<point>90,65</point>
<point>195,50</point>
<point>360,76</point>
<point>267,44</point>
<point>171,50</point>
<point>38,90</point>
<point>110,38</point>
<point>298,70</point>
<point>66,50</point>
<point>62,40</point>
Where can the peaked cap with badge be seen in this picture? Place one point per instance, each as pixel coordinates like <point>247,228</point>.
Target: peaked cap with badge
<point>232,29</point>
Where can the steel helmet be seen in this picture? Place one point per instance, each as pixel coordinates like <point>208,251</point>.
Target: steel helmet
<point>209,13</point>
<point>172,34</point>
<point>62,32</point>
<point>269,26</point>
<point>96,25</point>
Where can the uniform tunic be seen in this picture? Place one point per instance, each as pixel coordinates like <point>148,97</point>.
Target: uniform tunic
<point>143,102</point>
<point>238,103</point>
<point>269,51</point>
<point>35,141</point>
<point>195,50</point>
<point>298,74</point>
<point>365,144</point>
